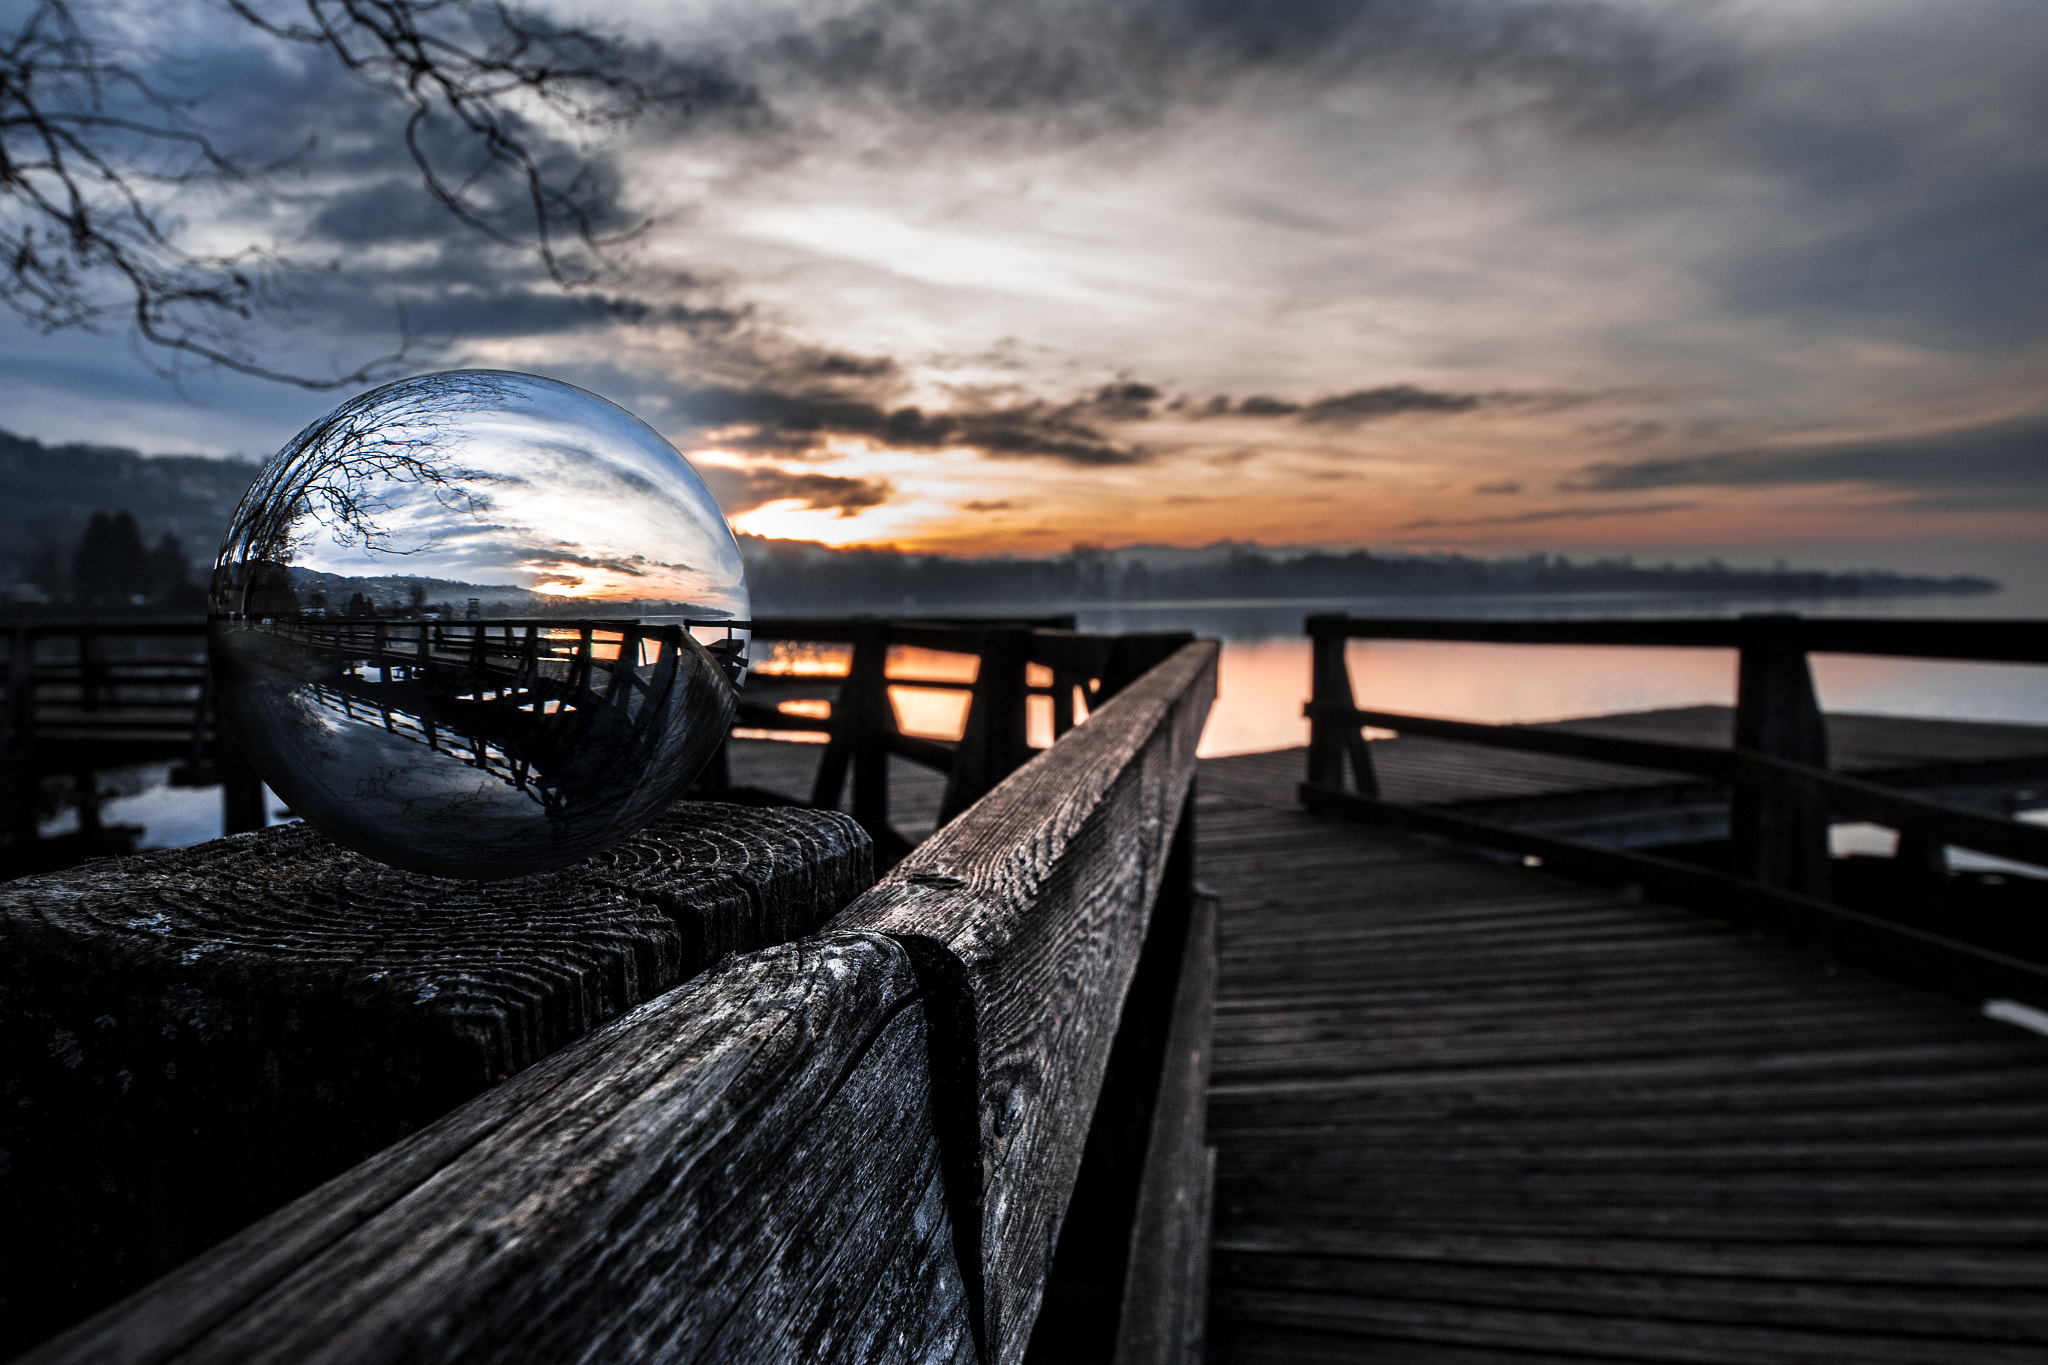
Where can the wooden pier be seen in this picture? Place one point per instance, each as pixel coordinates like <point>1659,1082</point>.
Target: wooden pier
<point>1141,1059</point>
<point>1466,1111</point>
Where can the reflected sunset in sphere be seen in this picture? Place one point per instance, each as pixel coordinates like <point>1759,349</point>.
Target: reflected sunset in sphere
<point>478,623</point>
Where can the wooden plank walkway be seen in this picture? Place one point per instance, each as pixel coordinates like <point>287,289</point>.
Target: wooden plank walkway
<point>1973,763</point>
<point>1469,1112</point>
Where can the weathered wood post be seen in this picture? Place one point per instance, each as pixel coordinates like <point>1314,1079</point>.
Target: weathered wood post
<point>867,702</point>
<point>241,789</point>
<point>1773,839</point>
<point>743,1169</point>
<point>18,754</point>
<point>190,1038</point>
<point>862,723</point>
<point>1163,1319</point>
<point>1332,742</point>
<point>1134,654</point>
<point>994,743</point>
<point>1063,685</point>
<point>92,670</point>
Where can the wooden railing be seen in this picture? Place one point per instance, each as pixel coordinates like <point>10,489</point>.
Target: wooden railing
<point>87,695</point>
<point>84,695</point>
<point>863,726</point>
<point>1781,792</point>
<point>862,1144</point>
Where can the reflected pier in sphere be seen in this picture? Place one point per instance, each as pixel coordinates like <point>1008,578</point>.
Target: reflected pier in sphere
<point>568,716</point>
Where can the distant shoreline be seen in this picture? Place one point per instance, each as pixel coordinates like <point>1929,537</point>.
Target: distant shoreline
<point>791,577</point>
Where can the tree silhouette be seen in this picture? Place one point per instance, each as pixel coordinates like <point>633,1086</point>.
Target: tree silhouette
<point>111,567</point>
<point>168,566</point>
<point>91,148</point>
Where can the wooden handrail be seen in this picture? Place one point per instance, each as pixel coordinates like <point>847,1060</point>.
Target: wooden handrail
<point>1992,641</point>
<point>1026,917</point>
<point>1781,791</point>
<point>740,1169</point>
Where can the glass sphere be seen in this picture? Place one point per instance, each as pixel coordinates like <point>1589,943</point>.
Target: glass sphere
<point>478,624</point>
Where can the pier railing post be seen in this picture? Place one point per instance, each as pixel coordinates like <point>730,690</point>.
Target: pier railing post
<point>1773,839</point>
<point>193,1037</point>
<point>994,744</point>
<point>867,697</point>
<point>17,760</point>
<point>1331,741</point>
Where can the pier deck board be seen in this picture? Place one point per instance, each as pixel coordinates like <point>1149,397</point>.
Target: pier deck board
<point>1973,763</point>
<point>1470,1112</point>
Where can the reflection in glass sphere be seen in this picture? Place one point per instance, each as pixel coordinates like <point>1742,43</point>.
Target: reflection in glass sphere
<point>477,624</point>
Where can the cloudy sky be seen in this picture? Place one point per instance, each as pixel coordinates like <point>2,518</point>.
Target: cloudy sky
<point>1752,279</point>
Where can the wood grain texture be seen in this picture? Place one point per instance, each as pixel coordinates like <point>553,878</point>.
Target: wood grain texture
<point>196,1036</point>
<point>1031,909</point>
<point>743,1169</point>
<point>1468,1112</point>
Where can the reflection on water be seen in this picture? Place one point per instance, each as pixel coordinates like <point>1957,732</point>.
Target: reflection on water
<point>142,797</point>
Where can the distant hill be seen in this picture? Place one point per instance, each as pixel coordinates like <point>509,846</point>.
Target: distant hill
<point>51,493</point>
<point>392,592</point>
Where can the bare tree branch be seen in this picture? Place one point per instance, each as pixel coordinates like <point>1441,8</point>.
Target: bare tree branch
<point>91,152</point>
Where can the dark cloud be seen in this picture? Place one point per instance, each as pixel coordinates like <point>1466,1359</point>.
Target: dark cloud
<point>1498,486</point>
<point>1125,402</point>
<point>1074,67</point>
<point>772,420</point>
<point>1366,404</point>
<point>742,490</point>
<point>791,417</point>
<point>2005,464</point>
<point>1583,512</point>
<point>1260,406</point>
<point>1910,207</point>
<point>999,505</point>
<point>1360,405</point>
<point>636,567</point>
